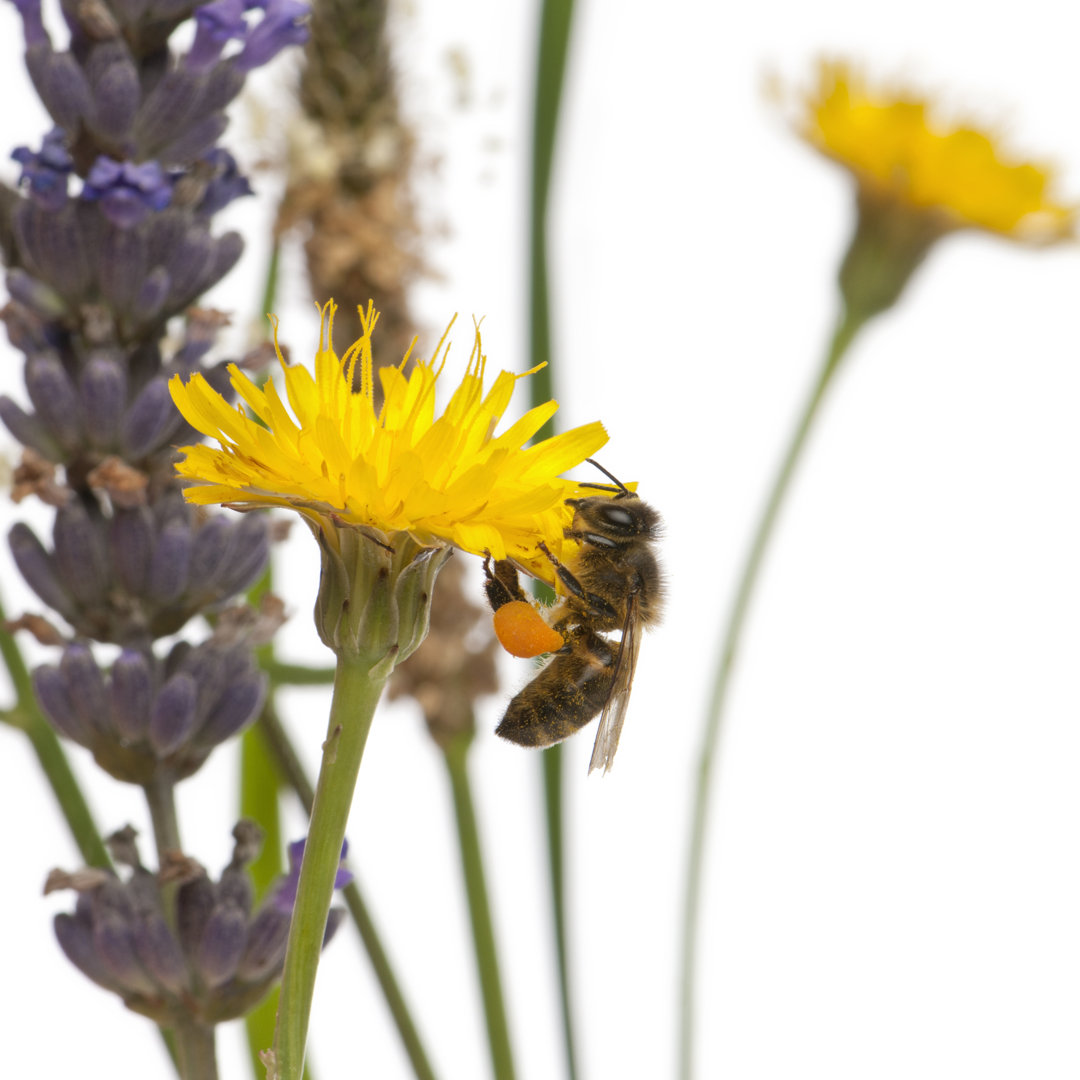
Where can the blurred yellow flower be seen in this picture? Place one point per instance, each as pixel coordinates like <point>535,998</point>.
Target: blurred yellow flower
<point>901,154</point>
<point>441,478</point>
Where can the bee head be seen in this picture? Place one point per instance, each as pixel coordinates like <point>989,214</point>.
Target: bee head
<point>613,522</point>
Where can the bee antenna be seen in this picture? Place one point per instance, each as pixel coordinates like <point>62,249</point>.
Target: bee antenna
<point>623,489</point>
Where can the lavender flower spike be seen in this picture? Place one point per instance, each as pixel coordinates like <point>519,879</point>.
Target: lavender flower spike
<point>128,192</point>
<point>33,28</point>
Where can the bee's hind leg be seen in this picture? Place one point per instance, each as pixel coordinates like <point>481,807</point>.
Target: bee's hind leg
<point>501,584</point>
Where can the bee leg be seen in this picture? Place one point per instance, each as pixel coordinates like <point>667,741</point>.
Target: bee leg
<point>501,585</point>
<point>596,604</point>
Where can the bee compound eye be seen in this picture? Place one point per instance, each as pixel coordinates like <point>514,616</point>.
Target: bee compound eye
<point>618,517</point>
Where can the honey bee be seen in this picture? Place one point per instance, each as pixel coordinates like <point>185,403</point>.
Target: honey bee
<point>613,583</point>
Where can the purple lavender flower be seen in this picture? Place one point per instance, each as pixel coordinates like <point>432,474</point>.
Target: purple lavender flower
<point>285,895</point>
<point>33,28</point>
<point>279,27</point>
<point>216,24</point>
<point>128,192</point>
<point>46,172</point>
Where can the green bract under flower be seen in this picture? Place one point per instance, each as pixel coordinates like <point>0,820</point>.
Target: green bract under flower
<point>329,455</point>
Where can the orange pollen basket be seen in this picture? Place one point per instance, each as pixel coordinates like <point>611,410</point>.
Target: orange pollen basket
<point>522,631</point>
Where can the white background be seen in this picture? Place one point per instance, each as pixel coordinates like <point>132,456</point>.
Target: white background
<point>892,878</point>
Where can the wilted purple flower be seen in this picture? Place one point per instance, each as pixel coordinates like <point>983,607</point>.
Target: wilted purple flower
<point>227,184</point>
<point>127,192</point>
<point>46,172</point>
<point>284,897</point>
<point>279,27</point>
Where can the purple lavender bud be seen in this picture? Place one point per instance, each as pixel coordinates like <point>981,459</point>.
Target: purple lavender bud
<point>28,429</point>
<point>52,248</point>
<point>39,570</point>
<point>51,691</point>
<point>280,27</point>
<point>169,566</point>
<point>212,544</point>
<point>170,107</point>
<point>150,420</point>
<point>227,250</point>
<point>188,263</point>
<point>65,90</point>
<point>86,688</point>
<point>33,27</point>
<point>115,81</point>
<point>46,172</point>
<point>173,714</point>
<point>235,709</point>
<point>79,552</point>
<point>215,25</point>
<point>222,945</point>
<point>194,903</point>
<point>159,952</point>
<point>76,937</point>
<point>55,399</point>
<point>103,389</point>
<point>267,936</point>
<point>227,184</point>
<point>152,294</point>
<point>121,267</point>
<point>131,540</point>
<point>132,693</point>
<point>127,192</point>
<point>235,888</point>
<point>249,552</point>
<point>113,944</point>
<point>35,294</point>
<point>193,141</point>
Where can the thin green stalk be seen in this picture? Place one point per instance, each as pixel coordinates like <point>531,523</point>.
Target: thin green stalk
<point>552,47</point>
<point>455,753</point>
<point>289,765</point>
<point>26,716</point>
<point>195,1046</point>
<point>356,694</point>
<point>846,329</point>
<point>285,674</point>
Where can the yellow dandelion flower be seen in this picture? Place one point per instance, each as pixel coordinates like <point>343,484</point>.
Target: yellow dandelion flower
<point>901,153</point>
<point>442,478</point>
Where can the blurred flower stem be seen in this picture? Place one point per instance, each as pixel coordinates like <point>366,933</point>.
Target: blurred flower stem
<point>290,767</point>
<point>25,715</point>
<point>357,689</point>
<point>552,48</point>
<point>455,753</point>
<point>847,327</point>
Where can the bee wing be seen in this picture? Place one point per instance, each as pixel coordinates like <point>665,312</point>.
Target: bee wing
<point>611,719</point>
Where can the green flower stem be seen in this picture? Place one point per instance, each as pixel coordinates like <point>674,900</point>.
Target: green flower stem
<point>554,771</point>
<point>161,801</point>
<point>285,674</point>
<point>196,1050</point>
<point>846,329</point>
<point>356,693</point>
<point>556,18</point>
<point>260,788</point>
<point>455,753</point>
<point>289,765</point>
<point>26,716</point>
